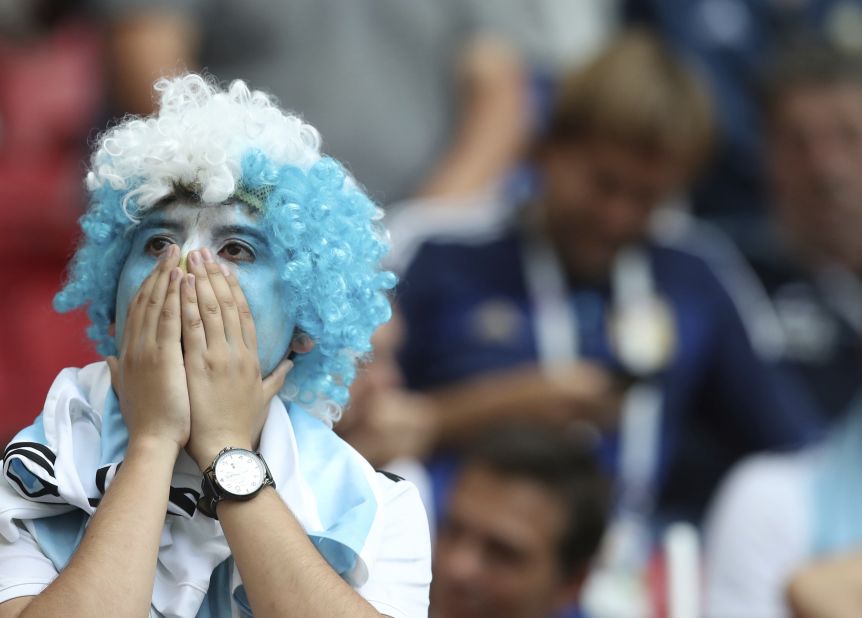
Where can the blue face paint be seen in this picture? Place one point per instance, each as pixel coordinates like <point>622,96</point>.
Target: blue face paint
<point>237,239</point>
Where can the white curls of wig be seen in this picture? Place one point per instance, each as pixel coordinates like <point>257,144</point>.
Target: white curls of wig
<point>197,140</point>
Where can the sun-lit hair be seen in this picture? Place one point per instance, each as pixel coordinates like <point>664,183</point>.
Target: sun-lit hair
<point>216,144</point>
<point>636,94</point>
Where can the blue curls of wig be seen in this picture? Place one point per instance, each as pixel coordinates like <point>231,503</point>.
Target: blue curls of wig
<point>317,218</point>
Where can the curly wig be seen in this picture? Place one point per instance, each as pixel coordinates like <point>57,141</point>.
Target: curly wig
<point>237,144</point>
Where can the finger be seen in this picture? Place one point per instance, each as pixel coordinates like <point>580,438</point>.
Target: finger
<point>246,320</point>
<point>209,309</point>
<point>135,312</point>
<point>275,380</point>
<point>217,274</point>
<point>194,337</point>
<point>114,366</point>
<point>156,301</point>
<point>170,324</point>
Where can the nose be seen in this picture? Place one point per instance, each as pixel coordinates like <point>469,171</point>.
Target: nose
<point>193,243</point>
<point>624,218</point>
<point>462,561</point>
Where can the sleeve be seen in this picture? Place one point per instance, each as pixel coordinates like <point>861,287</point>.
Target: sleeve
<point>759,399</point>
<point>755,537</point>
<point>417,300</point>
<point>401,576</point>
<point>24,569</point>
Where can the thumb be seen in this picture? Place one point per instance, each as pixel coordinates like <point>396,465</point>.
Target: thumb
<point>274,381</point>
<point>114,366</point>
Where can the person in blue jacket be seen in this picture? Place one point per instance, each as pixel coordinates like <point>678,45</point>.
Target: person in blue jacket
<point>575,312</point>
<point>730,43</point>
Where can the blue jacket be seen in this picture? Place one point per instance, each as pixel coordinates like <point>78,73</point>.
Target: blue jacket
<point>721,401</point>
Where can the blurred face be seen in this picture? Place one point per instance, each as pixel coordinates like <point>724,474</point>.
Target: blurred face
<point>236,238</point>
<point>816,169</point>
<point>598,196</point>
<point>496,553</point>
<point>382,374</point>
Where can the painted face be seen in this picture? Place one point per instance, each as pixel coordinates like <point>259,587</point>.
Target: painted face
<point>236,238</point>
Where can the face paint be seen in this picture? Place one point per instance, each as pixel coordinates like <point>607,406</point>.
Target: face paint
<point>235,238</point>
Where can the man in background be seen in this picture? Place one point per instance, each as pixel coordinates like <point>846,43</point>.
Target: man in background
<point>524,520</point>
<point>813,105</point>
<point>549,317</point>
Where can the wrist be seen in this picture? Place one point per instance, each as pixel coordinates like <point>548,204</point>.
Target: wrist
<point>205,452</point>
<point>235,474</point>
<point>153,446</point>
<point>225,507</point>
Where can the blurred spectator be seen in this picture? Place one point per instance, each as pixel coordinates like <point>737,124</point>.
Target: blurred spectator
<point>814,119</point>
<point>415,97</point>
<point>777,513</point>
<point>525,519</point>
<point>385,422</point>
<point>551,315</point>
<point>775,518</point>
<point>390,426</point>
<point>50,92</point>
<point>729,42</point>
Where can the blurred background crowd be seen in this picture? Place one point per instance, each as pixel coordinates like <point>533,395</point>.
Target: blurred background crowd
<point>627,349</point>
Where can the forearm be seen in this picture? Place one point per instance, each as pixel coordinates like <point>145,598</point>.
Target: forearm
<point>494,122</point>
<point>144,47</point>
<point>113,570</point>
<point>828,588</point>
<point>280,567</point>
<point>466,409</point>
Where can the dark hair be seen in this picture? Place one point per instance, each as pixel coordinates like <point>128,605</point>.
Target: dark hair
<point>803,63</point>
<point>563,466</point>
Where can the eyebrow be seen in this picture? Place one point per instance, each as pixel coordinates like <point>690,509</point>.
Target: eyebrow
<point>242,230</point>
<point>159,223</point>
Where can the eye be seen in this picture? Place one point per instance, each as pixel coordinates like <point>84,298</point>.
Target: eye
<point>237,251</point>
<point>157,244</point>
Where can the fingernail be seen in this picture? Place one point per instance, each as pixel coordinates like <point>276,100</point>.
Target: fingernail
<point>176,272</point>
<point>208,256</point>
<point>225,270</point>
<point>173,250</point>
<point>195,258</point>
<point>190,280</point>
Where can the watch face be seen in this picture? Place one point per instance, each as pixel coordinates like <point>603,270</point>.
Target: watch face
<point>239,472</point>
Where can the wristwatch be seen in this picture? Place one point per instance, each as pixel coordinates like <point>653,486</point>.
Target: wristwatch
<point>234,474</point>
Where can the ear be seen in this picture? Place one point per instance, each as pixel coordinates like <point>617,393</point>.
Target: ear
<point>301,343</point>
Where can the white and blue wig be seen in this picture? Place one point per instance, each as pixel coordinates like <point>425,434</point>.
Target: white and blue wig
<point>237,144</point>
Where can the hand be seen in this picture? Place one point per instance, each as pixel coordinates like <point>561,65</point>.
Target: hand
<point>584,391</point>
<point>831,588</point>
<point>390,425</point>
<point>580,391</point>
<point>228,398</point>
<point>149,376</point>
